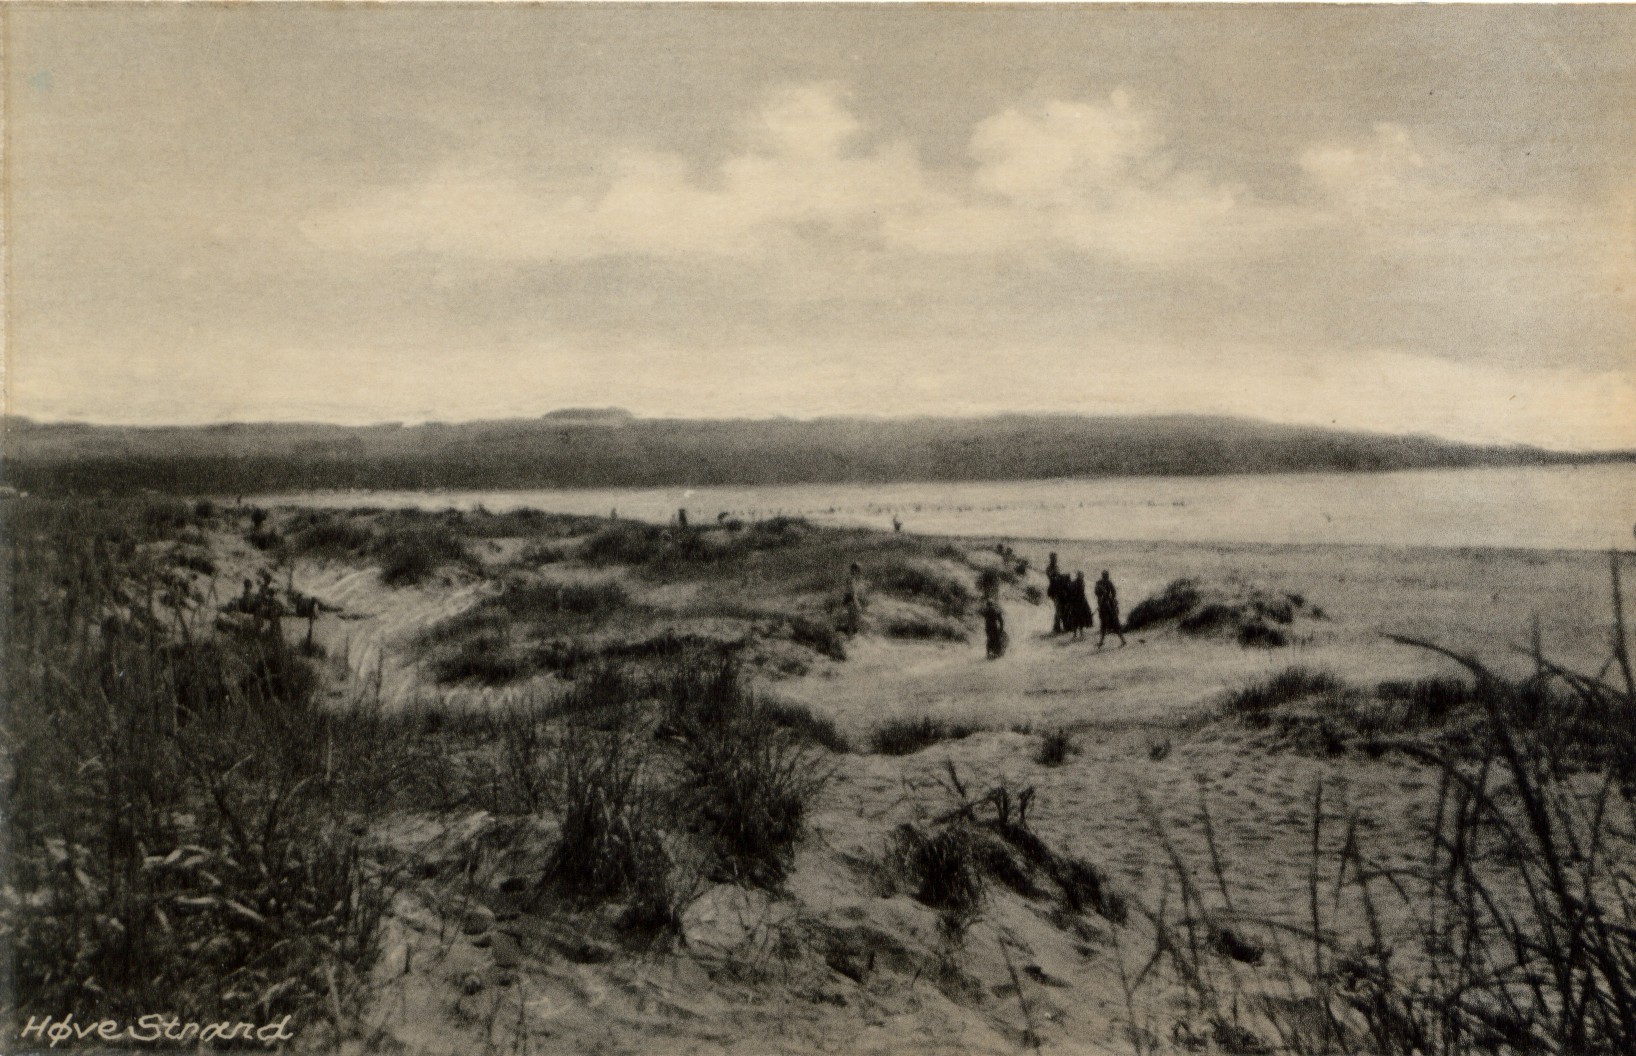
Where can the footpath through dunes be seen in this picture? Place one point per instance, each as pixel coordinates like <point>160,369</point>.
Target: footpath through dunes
<point>630,788</point>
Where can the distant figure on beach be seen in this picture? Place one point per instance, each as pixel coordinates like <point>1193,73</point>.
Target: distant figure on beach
<point>994,628</point>
<point>897,525</point>
<point>1107,609</point>
<point>1078,617</point>
<point>853,600</point>
<point>1055,589</point>
<point>854,585</point>
<point>681,517</point>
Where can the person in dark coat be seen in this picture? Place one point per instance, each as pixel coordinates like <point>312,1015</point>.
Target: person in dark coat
<point>1055,589</point>
<point>994,628</point>
<point>1078,617</point>
<point>1107,608</point>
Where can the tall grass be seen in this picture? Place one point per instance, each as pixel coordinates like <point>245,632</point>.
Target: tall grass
<point>1513,932</point>
<point>750,769</point>
<point>178,839</point>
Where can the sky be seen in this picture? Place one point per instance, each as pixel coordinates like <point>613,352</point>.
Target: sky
<point>1402,219</point>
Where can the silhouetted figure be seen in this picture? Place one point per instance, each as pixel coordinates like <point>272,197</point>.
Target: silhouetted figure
<point>1107,609</point>
<point>681,518</point>
<point>1078,617</point>
<point>897,525</point>
<point>1056,588</point>
<point>994,628</point>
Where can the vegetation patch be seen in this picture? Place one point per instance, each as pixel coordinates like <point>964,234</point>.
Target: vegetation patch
<point>201,856</point>
<point>917,583</point>
<point>1250,616</point>
<point>907,736</point>
<point>1054,748</point>
<point>951,863</point>
<point>925,629</point>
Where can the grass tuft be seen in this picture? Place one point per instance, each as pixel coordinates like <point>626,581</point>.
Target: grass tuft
<point>907,736</point>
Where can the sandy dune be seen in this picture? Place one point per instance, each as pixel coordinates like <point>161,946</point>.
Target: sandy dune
<point>758,973</point>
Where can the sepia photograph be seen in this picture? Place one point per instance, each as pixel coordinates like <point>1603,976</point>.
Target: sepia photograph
<point>561,528</point>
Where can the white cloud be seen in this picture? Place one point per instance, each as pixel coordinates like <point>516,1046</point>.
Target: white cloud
<point>1082,176</point>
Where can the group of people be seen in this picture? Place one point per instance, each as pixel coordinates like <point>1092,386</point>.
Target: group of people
<point>1073,606</point>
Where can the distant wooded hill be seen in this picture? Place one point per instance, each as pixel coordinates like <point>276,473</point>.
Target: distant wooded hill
<point>601,448</point>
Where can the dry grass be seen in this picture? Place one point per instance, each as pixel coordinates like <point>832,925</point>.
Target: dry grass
<point>1514,933</point>
<point>202,858</point>
<point>907,736</point>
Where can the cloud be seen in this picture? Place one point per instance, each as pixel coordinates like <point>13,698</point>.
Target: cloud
<point>794,178</point>
<point>1082,176</point>
<point>1068,216</point>
<point>1089,177</point>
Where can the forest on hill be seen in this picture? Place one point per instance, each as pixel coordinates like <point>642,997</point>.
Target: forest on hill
<point>609,448</point>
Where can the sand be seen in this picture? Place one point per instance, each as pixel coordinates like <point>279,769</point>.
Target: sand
<point>1150,757</point>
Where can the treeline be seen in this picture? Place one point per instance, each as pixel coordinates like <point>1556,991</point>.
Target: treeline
<point>611,450</point>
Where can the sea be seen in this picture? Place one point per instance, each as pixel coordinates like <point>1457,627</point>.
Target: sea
<point>1589,507</point>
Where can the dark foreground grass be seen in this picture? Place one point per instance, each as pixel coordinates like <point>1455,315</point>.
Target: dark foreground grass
<point>179,838</point>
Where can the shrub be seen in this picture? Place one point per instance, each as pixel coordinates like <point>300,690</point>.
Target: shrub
<point>1254,701</point>
<point>800,721</point>
<point>1054,748</point>
<point>1260,636</point>
<point>543,554</point>
<point>625,543</point>
<point>408,557</point>
<point>748,775</point>
<point>1429,701</point>
<point>264,539</point>
<point>907,736</point>
<point>608,845</point>
<point>1178,599</point>
<point>603,688</point>
<point>540,601</point>
<point>944,869</point>
<point>162,519</point>
<point>332,536</point>
<point>487,658</point>
<point>920,629</point>
<point>914,583</point>
<point>749,785</point>
<point>822,638</point>
<point>1206,619</point>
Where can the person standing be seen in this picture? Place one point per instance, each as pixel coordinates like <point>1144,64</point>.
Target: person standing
<point>1078,617</point>
<point>1107,609</point>
<point>1056,590</point>
<point>994,627</point>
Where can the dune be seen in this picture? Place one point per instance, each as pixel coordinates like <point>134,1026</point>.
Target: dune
<point>1163,810</point>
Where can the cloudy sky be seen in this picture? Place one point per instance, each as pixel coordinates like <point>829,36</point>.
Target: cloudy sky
<point>1402,219</point>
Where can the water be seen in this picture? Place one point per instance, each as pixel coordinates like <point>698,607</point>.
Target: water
<point>1559,507</point>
